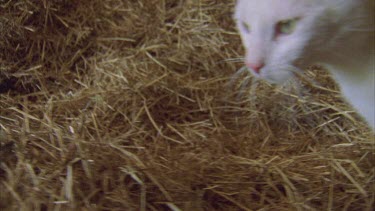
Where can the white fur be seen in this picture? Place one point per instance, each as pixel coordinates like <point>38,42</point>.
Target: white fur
<point>338,34</point>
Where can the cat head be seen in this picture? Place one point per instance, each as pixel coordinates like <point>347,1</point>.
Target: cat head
<point>275,34</point>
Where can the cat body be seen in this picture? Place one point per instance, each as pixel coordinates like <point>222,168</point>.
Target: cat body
<point>282,37</point>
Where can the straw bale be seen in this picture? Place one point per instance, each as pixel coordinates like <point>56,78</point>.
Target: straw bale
<point>136,105</point>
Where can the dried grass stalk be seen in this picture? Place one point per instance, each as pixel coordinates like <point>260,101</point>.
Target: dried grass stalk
<point>125,105</point>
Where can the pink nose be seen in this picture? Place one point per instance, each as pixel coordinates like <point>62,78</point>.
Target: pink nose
<point>255,67</point>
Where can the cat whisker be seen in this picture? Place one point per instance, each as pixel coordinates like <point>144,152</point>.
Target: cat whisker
<point>239,72</point>
<point>358,29</point>
<point>303,77</point>
<point>234,60</point>
<point>242,83</point>
<point>237,75</point>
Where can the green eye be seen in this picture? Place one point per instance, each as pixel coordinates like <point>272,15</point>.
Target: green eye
<point>286,26</point>
<point>246,27</point>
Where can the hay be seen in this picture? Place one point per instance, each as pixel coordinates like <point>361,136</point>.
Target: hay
<point>125,105</point>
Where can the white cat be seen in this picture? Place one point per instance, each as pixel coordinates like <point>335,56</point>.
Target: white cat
<point>285,36</point>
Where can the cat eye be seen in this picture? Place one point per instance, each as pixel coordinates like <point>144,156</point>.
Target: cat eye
<point>286,26</point>
<point>246,27</point>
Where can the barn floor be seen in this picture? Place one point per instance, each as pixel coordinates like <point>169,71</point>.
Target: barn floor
<point>136,105</point>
